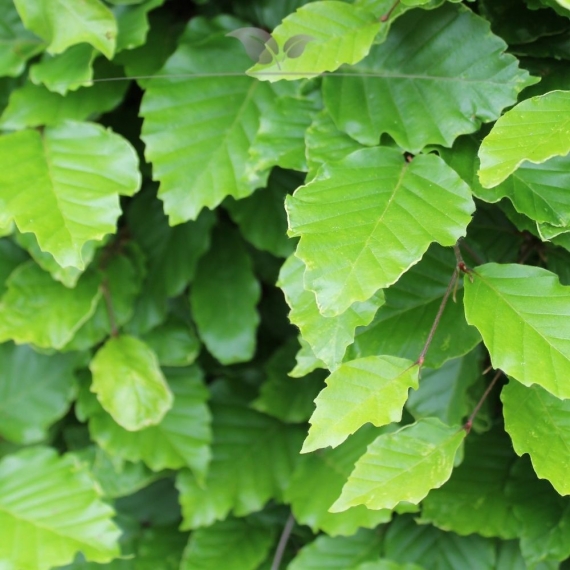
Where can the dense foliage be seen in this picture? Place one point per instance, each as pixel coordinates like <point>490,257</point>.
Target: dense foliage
<point>308,311</point>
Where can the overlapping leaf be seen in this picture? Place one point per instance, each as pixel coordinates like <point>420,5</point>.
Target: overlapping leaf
<point>533,417</point>
<point>181,439</point>
<point>366,219</point>
<point>420,92</point>
<point>197,136</point>
<point>402,466</point>
<point>132,23</point>
<point>31,482</point>
<point>10,257</point>
<point>337,33</point>
<point>372,389</point>
<point>522,315</point>
<point>327,336</point>
<point>64,184</point>
<point>534,130</point>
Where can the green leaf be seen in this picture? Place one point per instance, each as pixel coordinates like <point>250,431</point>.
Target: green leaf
<point>253,458</point>
<point>129,383</point>
<point>305,361</point>
<point>234,544</point>
<point>406,541</point>
<point>64,184</point>
<point>474,500</point>
<point>372,389</point>
<point>524,407</point>
<point>223,299</point>
<point>17,44</point>
<point>444,393</point>
<point>35,391</point>
<point>340,553</point>
<point>38,310</point>
<point>33,105</point>
<point>520,312</point>
<point>200,171</point>
<point>261,217</point>
<point>181,439</point>
<point>418,90</point>
<point>67,71</point>
<point>64,23</point>
<point>11,256</point>
<point>133,24</point>
<point>31,482</point>
<point>285,398</point>
<point>340,33</point>
<point>317,482</point>
<point>534,130</point>
<point>387,223</point>
<point>327,336</point>
<point>402,466</point>
<point>402,325</point>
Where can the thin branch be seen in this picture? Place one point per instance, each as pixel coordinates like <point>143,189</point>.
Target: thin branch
<point>287,529</point>
<point>437,319</point>
<point>469,423</point>
<point>109,307</point>
<point>387,15</point>
<point>472,253</point>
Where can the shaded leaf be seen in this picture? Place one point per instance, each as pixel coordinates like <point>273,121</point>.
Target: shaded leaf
<point>256,41</point>
<point>132,23</point>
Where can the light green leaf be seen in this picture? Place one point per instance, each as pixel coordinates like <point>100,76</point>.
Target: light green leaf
<point>232,544</point>
<point>538,425</point>
<point>305,361</point>
<point>521,313</point>
<point>64,184</point>
<point>420,92</point>
<point>223,299</point>
<point>64,23</point>
<point>444,393</point>
<point>67,71</point>
<point>174,342</point>
<point>253,458</point>
<point>38,310</point>
<point>133,24</point>
<point>317,482</point>
<point>402,325</point>
<point>261,217</point>
<point>200,171</point>
<point>17,44</point>
<point>474,500</point>
<point>31,482</point>
<point>181,439</point>
<point>33,105</point>
<point>129,383</point>
<point>372,389</point>
<point>406,541</point>
<point>402,466</point>
<point>35,391</point>
<point>324,143</point>
<point>285,398</point>
<point>534,130</point>
<point>327,336</point>
<point>340,553</point>
<point>366,219</point>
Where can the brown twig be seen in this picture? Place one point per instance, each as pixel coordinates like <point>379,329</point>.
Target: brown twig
<point>287,529</point>
<point>469,423</point>
<point>387,15</point>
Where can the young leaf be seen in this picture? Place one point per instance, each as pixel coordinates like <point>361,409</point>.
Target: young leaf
<point>367,218</point>
<point>327,336</point>
<point>38,310</point>
<point>534,130</point>
<point>31,482</point>
<point>64,23</point>
<point>35,391</point>
<point>521,313</point>
<point>317,482</point>
<point>418,90</point>
<point>372,389</point>
<point>223,299</point>
<point>402,466</point>
<point>181,439</point>
<point>533,416</point>
<point>234,544</point>
<point>339,33</point>
<point>64,184</point>
<point>253,458</point>
<point>129,383</point>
